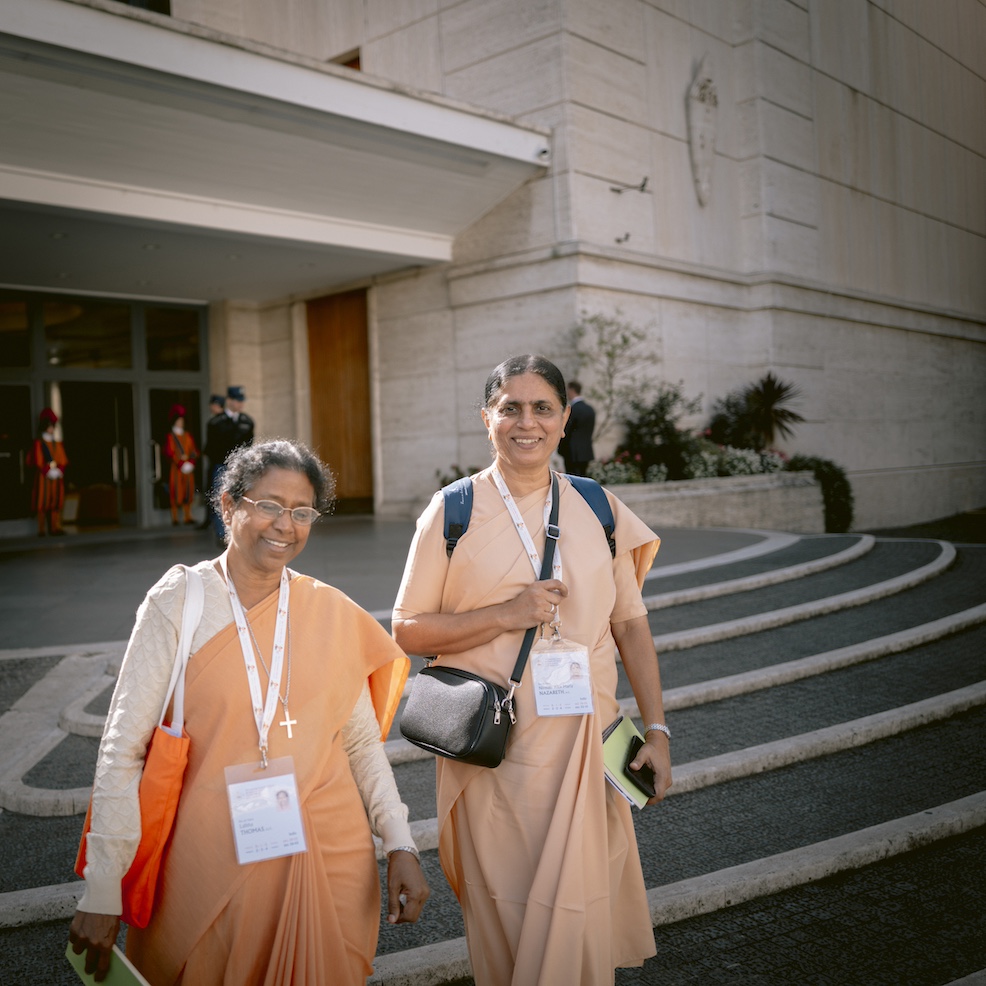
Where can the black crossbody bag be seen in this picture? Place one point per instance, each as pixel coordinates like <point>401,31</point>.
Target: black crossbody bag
<point>460,715</point>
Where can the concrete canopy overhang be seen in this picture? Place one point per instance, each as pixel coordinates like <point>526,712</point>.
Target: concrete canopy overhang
<point>142,157</point>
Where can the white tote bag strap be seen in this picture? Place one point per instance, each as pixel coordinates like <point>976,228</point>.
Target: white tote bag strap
<point>191,615</point>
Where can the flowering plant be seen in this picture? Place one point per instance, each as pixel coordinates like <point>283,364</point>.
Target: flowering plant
<point>624,468</point>
<point>705,461</point>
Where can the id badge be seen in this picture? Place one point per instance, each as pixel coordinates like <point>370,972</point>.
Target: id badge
<point>560,671</point>
<point>265,810</point>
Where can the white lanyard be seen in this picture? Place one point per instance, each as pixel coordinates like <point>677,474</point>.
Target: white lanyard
<point>523,532</point>
<point>263,711</point>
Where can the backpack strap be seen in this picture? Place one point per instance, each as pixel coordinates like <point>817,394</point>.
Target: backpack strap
<point>458,509</point>
<point>595,496</point>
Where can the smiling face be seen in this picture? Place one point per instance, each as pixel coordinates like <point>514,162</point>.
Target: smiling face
<point>525,421</point>
<point>261,545</point>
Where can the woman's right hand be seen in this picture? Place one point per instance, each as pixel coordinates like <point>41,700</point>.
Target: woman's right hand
<point>452,633</point>
<point>536,604</point>
<point>94,934</point>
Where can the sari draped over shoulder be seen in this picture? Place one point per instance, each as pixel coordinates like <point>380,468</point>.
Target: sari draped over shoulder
<point>311,918</point>
<point>540,851</point>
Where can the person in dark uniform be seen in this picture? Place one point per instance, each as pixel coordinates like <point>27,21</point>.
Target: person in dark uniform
<point>216,413</point>
<point>234,427</point>
<point>576,445</point>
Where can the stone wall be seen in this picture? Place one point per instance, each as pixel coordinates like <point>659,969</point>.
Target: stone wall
<point>788,501</point>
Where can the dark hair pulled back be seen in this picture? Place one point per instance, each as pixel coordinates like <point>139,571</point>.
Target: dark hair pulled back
<point>515,366</point>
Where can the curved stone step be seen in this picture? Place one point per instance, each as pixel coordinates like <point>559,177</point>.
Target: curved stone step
<point>688,777</point>
<point>883,562</point>
<point>38,801</point>
<point>791,749</point>
<point>400,751</point>
<point>730,686</point>
<point>822,742</point>
<point>683,639</point>
<point>74,718</point>
<point>952,592</point>
<point>448,961</point>
<point>761,579</point>
<point>770,542</point>
<point>29,731</point>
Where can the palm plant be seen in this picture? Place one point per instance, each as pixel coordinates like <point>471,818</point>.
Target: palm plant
<point>766,413</point>
<point>754,416</point>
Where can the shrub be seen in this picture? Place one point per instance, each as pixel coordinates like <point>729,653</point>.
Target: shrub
<point>703,463</point>
<point>708,460</point>
<point>754,416</point>
<point>748,462</point>
<point>652,435</point>
<point>624,468</point>
<point>729,424</point>
<point>836,490</point>
<point>768,416</point>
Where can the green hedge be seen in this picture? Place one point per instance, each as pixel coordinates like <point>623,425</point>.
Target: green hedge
<point>836,490</point>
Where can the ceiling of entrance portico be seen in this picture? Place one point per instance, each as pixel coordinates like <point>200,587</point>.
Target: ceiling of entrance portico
<point>237,175</point>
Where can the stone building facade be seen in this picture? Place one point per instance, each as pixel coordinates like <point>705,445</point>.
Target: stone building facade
<point>786,185</point>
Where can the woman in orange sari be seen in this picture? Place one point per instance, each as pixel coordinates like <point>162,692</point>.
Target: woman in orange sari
<point>540,850</point>
<point>286,675</point>
<point>182,452</point>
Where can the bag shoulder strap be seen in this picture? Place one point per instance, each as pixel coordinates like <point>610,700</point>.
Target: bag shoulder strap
<point>551,535</point>
<point>595,496</point>
<point>458,509</point>
<point>191,615</point>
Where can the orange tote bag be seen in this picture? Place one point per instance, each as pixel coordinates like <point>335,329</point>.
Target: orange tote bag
<point>161,779</point>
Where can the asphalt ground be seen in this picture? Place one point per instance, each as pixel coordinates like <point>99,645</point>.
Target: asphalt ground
<point>915,919</point>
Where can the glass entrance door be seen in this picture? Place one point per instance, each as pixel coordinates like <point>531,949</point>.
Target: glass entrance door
<point>16,436</point>
<point>97,422</point>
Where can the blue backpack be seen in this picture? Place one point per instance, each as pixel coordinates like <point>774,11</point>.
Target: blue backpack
<point>458,509</point>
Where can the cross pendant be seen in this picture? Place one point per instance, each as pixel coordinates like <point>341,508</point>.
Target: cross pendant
<point>288,722</point>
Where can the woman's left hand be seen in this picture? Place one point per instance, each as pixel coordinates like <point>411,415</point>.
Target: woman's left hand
<point>636,643</point>
<point>407,888</point>
<point>657,754</point>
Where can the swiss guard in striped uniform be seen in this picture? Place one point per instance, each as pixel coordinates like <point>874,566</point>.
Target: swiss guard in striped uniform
<point>49,459</point>
<point>181,450</point>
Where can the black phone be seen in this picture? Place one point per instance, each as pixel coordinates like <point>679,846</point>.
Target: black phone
<point>643,778</point>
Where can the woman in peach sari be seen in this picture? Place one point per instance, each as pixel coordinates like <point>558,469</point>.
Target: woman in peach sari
<point>308,716</point>
<point>540,850</point>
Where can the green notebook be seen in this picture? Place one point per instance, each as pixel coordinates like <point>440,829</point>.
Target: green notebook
<point>616,747</point>
<point>122,971</point>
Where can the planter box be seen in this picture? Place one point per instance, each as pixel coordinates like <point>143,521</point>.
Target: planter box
<point>783,501</point>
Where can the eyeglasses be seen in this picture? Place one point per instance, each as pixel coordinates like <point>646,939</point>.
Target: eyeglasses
<point>272,511</point>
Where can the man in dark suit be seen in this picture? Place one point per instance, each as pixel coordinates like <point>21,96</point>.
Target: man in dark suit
<point>233,428</point>
<point>576,445</point>
<point>209,449</point>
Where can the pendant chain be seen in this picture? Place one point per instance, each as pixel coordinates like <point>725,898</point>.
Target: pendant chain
<point>260,654</point>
